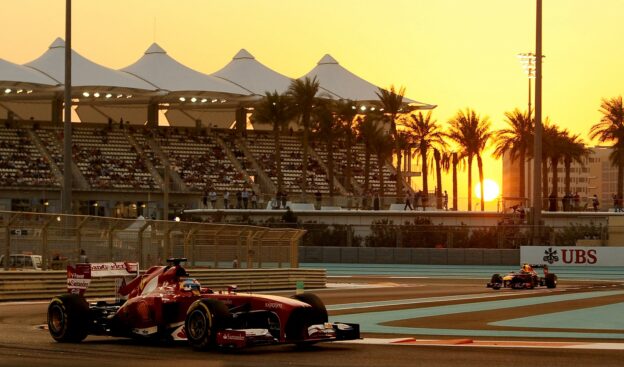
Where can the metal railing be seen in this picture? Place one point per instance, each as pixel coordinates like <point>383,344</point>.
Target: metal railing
<point>60,239</point>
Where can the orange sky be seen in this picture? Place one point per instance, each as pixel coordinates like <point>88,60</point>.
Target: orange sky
<point>453,53</point>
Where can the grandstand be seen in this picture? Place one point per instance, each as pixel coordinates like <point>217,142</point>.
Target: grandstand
<point>122,169</point>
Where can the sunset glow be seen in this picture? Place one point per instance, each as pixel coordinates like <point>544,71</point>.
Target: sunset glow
<point>491,191</point>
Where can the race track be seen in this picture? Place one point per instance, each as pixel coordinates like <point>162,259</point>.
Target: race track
<point>406,320</point>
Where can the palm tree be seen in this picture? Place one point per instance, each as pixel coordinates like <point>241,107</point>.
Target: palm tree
<point>325,128</point>
<point>346,112</point>
<point>437,157</point>
<point>426,135</point>
<point>472,134</point>
<point>450,161</point>
<point>369,130</point>
<point>611,128</point>
<point>382,146</point>
<point>516,140</point>
<point>303,94</point>
<point>275,109</point>
<point>402,142</point>
<point>553,144</point>
<point>392,105</point>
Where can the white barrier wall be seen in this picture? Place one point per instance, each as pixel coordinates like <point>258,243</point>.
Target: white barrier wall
<point>572,255</point>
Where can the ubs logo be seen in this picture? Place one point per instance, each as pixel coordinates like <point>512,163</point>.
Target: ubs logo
<point>551,256</point>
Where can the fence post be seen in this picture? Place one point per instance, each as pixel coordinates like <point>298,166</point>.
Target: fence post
<point>7,250</point>
<point>140,242</point>
<point>79,237</point>
<point>110,243</point>
<point>190,237</point>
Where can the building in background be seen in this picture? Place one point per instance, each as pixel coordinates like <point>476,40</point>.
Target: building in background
<point>595,175</point>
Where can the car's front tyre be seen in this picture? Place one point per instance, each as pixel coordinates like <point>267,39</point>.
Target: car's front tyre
<point>203,319</point>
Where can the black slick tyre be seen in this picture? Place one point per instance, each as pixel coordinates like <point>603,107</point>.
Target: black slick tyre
<point>68,318</point>
<point>551,281</point>
<point>496,281</point>
<point>203,319</point>
<point>302,318</point>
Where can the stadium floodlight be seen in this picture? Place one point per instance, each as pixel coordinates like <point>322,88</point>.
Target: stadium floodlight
<point>96,94</point>
<point>108,95</point>
<point>362,108</point>
<point>182,99</point>
<point>193,99</point>
<point>86,94</point>
<point>204,100</point>
<point>7,91</point>
<point>19,91</point>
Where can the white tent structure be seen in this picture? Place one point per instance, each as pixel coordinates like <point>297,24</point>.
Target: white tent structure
<point>14,77</point>
<point>181,82</point>
<point>87,76</point>
<point>340,83</point>
<point>19,87</point>
<point>247,72</point>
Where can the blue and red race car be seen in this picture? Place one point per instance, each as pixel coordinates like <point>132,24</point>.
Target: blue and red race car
<point>166,303</point>
<point>526,278</point>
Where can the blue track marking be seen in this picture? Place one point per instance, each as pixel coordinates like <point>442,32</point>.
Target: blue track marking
<point>606,317</point>
<point>372,321</point>
<point>462,271</point>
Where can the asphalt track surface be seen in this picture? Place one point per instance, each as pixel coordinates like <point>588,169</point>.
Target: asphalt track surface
<point>423,313</point>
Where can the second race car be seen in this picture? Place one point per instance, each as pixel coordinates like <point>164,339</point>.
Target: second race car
<point>526,278</point>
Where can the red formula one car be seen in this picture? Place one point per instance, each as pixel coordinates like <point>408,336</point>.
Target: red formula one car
<point>526,278</point>
<point>166,303</point>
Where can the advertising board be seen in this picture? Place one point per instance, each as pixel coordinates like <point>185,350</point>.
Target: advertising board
<point>572,255</point>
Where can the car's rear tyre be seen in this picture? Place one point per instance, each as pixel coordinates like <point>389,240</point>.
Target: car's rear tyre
<point>203,319</point>
<point>301,319</point>
<point>68,318</point>
<point>551,281</point>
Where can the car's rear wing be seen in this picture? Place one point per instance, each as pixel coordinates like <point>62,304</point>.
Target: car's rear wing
<point>79,276</point>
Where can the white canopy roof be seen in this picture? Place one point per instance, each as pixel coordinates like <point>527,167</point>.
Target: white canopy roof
<point>164,72</point>
<point>244,70</point>
<point>85,73</point>
<point>340,83</point>
<point>14,75</point>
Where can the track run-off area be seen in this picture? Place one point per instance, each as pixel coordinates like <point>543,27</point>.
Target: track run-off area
<point>410,315</point>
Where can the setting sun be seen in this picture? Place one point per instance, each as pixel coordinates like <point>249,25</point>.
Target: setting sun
<point>490,190</point>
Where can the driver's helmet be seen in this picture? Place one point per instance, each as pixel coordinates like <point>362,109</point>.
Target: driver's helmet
<point>527,268</point>
<point>189,285</point>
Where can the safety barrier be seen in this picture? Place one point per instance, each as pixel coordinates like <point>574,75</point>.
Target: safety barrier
<point>424,256</point>
<point>64,238</point>
<point>37,285</point>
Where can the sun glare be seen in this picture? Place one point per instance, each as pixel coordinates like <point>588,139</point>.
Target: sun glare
<point>490,190</point>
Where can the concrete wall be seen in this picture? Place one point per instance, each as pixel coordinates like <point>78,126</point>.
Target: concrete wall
<point>390,255</point>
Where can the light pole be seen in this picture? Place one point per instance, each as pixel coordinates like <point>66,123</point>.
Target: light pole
<point>528,64</point>
<point>537,143</point>
<point>66,193</point>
